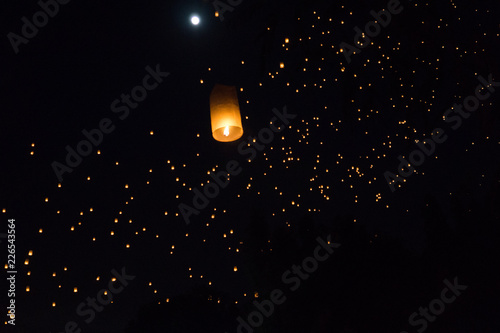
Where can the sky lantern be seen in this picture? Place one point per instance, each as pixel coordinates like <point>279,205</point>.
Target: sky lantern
<point>225,114</point>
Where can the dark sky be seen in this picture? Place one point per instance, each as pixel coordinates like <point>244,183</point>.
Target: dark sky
<point>353,120</point>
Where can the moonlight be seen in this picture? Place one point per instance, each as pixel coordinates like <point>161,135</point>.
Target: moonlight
<point>195,20</point>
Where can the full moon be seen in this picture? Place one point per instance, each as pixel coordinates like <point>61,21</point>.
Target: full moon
<point>195,20</point>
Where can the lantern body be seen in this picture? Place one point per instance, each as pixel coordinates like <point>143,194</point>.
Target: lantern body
<point>225,114</point>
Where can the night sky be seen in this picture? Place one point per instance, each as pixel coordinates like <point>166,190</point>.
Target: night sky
<point>333,173</point>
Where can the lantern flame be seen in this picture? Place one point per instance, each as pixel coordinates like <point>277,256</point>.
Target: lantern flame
<point>226,131</point>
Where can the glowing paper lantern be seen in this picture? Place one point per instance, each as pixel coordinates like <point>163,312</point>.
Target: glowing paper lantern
<point>225,114</point>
